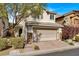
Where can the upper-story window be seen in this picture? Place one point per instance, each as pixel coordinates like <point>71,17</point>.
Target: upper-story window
<point>34,17</point>
<point>76,21</point>
<point>41,16</point>
<point>38,17</point>
<point>66,18</point>
<point>52,16</point>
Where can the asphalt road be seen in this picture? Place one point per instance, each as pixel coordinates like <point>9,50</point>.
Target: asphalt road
<point>73,52</point>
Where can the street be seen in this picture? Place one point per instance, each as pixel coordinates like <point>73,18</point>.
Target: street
<point>73,52</point>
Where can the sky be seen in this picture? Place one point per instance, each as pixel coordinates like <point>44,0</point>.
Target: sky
<point>62,8</point>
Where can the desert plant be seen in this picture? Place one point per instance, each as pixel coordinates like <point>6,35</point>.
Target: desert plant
<point>77,38</point>
<point>3,43</point>
<point>69,41</point>
<point>35,47</point>
<point>17,42</point>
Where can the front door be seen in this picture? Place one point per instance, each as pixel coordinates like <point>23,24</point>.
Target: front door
<point>29,38</point>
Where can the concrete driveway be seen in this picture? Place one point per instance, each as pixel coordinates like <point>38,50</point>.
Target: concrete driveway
<point>46,45</point>
<point>51,44</point>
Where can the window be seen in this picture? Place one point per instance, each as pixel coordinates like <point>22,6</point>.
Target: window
<point>71,17</point>
<point>66,18</point>
<point>76,21</point>
<point>41,16</point>
<point>38,17</point>
<point>34,17</point>
<point>51,16</point>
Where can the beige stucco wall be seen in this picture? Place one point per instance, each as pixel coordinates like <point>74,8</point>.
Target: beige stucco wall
<point>59,20</point>
<point>72,21</point>
<point>46,18</point>
<point>69,21</point>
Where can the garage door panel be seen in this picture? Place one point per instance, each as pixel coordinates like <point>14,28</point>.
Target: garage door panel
<point>47,35</point>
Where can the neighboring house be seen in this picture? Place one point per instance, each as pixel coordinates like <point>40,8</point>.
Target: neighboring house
<point>69,19</point>
<point>40,28</point>
<point>3,26</point>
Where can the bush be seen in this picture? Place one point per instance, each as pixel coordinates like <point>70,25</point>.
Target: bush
<point>3,43</point>
<point>69,32</point>
<point>77,38</point>
<point>17,42</point>
<point>69,41</point>
<point>35,47</point>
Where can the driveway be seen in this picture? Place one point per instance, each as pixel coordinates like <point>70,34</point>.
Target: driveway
<point>45,45</point>
<point>51,44</point>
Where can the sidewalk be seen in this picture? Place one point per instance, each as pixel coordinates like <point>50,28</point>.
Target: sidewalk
<point>43,52</point>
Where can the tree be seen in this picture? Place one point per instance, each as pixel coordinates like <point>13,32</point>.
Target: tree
<point>21,10</point>
<point>3,15</point>
<point>24,10</point>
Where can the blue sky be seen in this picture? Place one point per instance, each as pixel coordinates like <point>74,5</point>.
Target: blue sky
<point>62,8</point>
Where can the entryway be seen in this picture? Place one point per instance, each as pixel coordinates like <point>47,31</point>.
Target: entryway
<point>29,38</point>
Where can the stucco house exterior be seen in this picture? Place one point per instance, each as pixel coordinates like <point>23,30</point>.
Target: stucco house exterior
<point>41,28</point>
<point>69,19</point>
<point>3,25</point>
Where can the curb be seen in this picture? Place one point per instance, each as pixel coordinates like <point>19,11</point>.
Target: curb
<point>39,52</point>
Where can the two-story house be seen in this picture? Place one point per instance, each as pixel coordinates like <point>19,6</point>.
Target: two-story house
<point>40,28</point>
<point>69,19</point>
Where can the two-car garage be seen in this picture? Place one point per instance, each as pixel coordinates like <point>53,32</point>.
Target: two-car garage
<point>44,31</point>
<point>47,34</point>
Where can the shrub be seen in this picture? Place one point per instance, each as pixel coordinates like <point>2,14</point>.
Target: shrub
<point>69,41</point>
<point>17,42</point>
<point>77,38</point>
<point>69,32</point>
<point>3,43</point>
<point>35,47</point>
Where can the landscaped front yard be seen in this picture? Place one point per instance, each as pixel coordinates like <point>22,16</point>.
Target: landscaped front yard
<point>43,45</point>
<point>17,45</point>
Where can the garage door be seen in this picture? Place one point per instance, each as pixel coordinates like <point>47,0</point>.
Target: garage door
<point>47,35</point>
